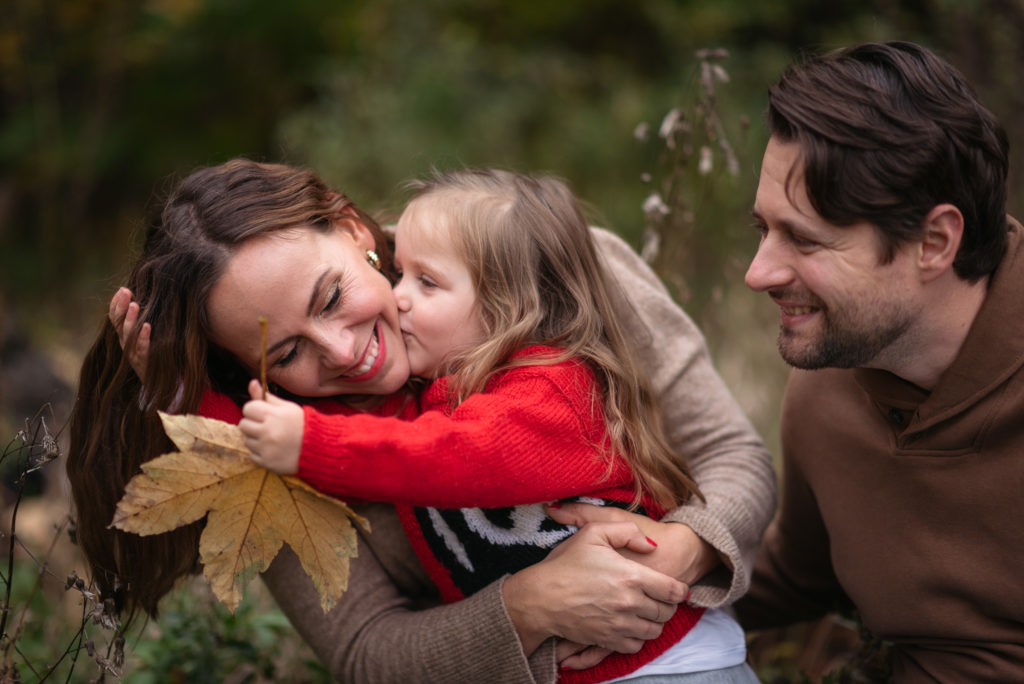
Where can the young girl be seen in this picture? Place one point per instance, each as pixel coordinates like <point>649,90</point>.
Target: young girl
<point>535,395</point>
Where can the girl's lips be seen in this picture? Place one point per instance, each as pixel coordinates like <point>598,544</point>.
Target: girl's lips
<point>372,361</point>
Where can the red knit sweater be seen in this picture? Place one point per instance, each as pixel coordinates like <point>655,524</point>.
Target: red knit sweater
<point>534,435</point>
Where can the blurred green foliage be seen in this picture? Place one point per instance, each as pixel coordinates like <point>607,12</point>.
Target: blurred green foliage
<point>103,101</point>
<point>197,640</point>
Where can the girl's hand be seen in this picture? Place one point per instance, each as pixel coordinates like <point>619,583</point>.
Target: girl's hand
<point>273,431</point>
<point>124,314</point>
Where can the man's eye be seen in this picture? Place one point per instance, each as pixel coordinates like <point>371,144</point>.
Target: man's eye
<point>801,242</point>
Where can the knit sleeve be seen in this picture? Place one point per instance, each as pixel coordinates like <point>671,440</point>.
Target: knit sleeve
<point>524,440</point>
<point>220,406</point>
<point>704,424</point>
<point>382,631</point>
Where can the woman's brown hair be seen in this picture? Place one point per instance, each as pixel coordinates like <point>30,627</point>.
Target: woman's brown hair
<point>114,424</point>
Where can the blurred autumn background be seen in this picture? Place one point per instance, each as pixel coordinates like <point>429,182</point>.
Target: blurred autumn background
<point>103,103</point>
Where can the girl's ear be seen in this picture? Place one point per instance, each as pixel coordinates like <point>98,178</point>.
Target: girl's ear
<point>350,223</point>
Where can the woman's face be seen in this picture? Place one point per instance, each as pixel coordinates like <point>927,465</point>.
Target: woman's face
<point>332,324</point>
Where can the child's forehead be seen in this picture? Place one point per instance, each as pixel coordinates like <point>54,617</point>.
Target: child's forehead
<point>425,219</point>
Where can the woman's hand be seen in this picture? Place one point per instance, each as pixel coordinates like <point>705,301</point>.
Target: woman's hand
<point>680,552</point>
<point>124,314</point>
<point>273,431</point>
<point>586,592</point>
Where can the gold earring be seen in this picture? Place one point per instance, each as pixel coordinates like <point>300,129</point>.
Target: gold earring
<point>372,257</point>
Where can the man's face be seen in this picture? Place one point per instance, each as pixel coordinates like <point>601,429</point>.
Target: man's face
<point>840,306</point>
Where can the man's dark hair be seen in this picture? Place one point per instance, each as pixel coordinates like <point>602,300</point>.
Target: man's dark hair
<point>886,132</point>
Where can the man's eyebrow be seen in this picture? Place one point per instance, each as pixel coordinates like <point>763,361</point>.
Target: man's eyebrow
<point>316,293</point>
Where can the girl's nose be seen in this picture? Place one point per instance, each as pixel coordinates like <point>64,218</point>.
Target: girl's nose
<point>401,293</point>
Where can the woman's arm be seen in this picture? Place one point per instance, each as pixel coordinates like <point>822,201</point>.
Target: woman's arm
<point>388,626</point>
<point>705,426</point>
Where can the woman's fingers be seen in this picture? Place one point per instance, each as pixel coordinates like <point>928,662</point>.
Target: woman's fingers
<point>585,658</point>
<point>118,310</point>
<point>124,316</point>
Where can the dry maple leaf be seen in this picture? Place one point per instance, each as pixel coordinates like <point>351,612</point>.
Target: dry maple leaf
<point>251,511</point>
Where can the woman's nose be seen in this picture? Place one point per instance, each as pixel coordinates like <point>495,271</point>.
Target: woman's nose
<point>337,349</point>
<point>768,270</point>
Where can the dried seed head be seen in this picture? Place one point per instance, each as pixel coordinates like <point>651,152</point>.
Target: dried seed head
<point>704,166</point>
<point>651,246</point>
<point>655,206</point>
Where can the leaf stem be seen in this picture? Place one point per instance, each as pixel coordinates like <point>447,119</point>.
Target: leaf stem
<point>263,355</point>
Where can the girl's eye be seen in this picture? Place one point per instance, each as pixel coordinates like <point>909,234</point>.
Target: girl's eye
<point>427,281</point>
<point>288,358</point>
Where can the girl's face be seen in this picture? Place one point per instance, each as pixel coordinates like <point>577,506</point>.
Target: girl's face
<point>332,325</point>
<point>437,305</point>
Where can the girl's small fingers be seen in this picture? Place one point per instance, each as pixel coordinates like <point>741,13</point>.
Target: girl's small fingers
<point>255,389</point>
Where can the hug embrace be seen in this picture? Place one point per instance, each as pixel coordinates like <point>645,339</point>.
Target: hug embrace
<point>559,483</point>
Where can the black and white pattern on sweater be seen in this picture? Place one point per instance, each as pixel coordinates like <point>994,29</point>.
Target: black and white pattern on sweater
<point>479,545</point>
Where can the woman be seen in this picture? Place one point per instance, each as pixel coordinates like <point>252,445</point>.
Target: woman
<point>344,340</point>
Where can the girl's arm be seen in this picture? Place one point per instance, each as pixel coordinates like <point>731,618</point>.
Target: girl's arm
<point>525,440</point>
<point>704,423</point>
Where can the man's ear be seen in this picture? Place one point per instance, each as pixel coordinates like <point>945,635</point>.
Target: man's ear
<point>943,229</point>
<point>349,222</point>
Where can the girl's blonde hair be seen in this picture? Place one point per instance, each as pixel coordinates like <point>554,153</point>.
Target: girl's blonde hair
<point>539,281</point>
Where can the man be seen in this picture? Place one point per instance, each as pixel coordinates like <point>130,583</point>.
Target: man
<point>900,282</point>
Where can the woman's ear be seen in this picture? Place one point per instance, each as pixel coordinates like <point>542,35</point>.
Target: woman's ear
<point>350,223</point>
<point>943,229</point>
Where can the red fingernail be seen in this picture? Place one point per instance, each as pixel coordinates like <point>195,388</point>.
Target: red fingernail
<point>651,542</point>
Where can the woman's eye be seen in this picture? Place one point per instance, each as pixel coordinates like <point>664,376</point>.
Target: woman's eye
<point>332,299</point>
<point>287,358</point>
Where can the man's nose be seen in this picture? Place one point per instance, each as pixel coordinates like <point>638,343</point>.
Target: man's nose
<point>768,270</point>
